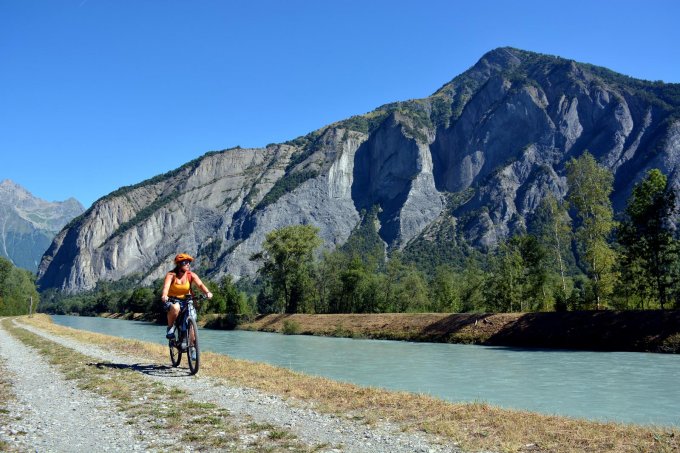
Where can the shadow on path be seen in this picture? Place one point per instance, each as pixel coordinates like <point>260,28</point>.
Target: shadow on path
<point>146,368</point>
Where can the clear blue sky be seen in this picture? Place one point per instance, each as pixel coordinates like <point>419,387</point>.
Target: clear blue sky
<point>99,94</point>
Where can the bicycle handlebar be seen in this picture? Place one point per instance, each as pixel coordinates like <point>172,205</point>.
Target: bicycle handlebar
<point>189,299</point>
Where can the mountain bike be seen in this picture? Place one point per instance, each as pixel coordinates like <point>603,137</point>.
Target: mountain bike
<point>186,335</point>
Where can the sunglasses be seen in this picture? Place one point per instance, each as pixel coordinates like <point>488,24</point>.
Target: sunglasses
<point>185,263</point>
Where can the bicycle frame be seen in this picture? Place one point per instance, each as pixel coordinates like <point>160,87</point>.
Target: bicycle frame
<point>185,307</point>
<point>186,335</point>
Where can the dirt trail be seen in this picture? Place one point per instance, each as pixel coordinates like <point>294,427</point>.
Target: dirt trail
<point>57,416</point>
<point>51,414</point>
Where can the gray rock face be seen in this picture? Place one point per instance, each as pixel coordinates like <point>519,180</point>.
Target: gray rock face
<point>29,224</point>
<point>324,201</point>
<point>500,133</point>
<point>394,171</point>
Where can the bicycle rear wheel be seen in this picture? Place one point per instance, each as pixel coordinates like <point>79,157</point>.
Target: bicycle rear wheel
<point>192,343</point>
<point>175,351</point>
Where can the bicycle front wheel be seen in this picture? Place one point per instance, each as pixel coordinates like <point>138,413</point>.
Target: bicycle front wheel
<point>193,351</point>
<point>175,352</point>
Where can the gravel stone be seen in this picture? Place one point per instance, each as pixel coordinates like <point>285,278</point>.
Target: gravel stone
<point>51,414</point>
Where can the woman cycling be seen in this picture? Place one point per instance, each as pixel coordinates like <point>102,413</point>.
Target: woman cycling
<point>178,285</point>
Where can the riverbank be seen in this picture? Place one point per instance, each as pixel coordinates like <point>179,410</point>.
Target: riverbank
<point>295,408</point>
<point>640,331</point>
<point>635,331</point>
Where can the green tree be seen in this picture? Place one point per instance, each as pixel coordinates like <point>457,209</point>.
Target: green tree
<point>647,234</point>
<point>141,300</point>
<point>504,290</point>
<point>535,277</point>
<point>518,277</point>
<point>288,258</point>
<point>371,293</point>
<point>635,290</point>
<point>411,292</point>
<point>552,227</point>
<point>226,298</point>
<point>445,290</point>
<point>358,289</point>
<point>395,272</point>
<point>473,282</point>
<point>17,287</point>
<point>589,188</point>
<point>328,284</point>
<point>351,285</point>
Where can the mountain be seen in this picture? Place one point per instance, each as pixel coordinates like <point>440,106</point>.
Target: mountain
<point>28,224</point>
<point>464,167</point>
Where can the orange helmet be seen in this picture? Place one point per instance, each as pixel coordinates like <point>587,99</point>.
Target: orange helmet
<point>183,257</point>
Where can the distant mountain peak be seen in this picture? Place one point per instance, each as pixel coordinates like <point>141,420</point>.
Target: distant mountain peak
<point>28,223</point>
<point>503,57</point>
<point>17,191</point>
<point>9,186</point>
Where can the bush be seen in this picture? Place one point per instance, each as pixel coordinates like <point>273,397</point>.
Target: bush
<point>291,327</point>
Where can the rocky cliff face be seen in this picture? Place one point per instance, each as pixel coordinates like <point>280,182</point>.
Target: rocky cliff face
<point>28,224</point>
<point>495,139</point>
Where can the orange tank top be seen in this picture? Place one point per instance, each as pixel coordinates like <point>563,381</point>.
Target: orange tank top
<point>179,290</point>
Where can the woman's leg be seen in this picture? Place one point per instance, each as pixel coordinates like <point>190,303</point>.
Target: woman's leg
<point>173,312</point>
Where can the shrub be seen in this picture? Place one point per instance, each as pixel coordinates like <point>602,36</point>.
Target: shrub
<point>291,327</point>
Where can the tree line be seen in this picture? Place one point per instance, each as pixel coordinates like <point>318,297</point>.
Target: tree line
<point>572,254</point>
<point>126,296</point>
<point>17,290</point>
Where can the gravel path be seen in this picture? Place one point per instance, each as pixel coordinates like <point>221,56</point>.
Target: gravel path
<point>49,412</point>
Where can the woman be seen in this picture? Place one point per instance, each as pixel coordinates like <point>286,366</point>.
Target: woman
<point>178,286</point>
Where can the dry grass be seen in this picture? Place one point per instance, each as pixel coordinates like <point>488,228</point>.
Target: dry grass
<point>152,406</point>
<point>472,426</point>
<point>443,327</point>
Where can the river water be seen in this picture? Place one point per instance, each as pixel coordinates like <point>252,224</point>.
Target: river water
<point>618,386</point>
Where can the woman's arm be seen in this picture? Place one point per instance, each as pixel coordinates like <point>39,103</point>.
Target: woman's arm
<point>201,286</point>
<point>166,286</point>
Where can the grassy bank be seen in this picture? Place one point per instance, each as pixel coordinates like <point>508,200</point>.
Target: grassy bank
<point>474,427</point>
<point>131,316</point>
<point>652,330</point>
<point>642,331</point>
